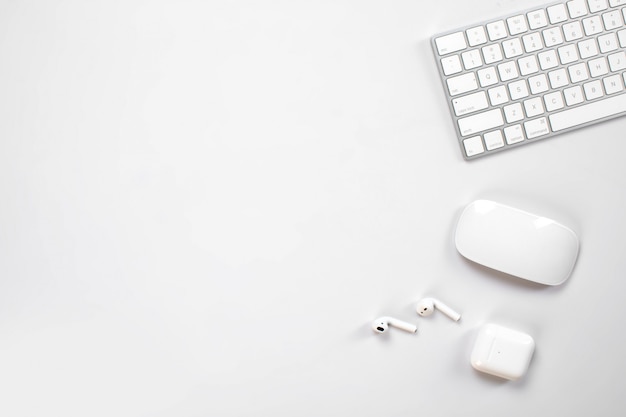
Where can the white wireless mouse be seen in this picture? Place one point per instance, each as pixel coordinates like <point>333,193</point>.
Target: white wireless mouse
<point>515,242</point>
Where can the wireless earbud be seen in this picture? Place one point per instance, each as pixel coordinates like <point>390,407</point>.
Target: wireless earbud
<point>382,324</point>
<point>427,306</point>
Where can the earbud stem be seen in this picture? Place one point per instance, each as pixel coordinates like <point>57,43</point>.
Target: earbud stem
<point>403,325</point>
<point>448,311</point>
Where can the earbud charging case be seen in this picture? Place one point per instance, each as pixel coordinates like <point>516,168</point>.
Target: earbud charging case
<point>502,352</point>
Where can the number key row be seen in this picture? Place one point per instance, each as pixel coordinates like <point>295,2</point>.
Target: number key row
<point>512,48</point>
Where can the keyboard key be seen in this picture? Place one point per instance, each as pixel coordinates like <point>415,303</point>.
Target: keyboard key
<point>592,25</point>
<point>476,36</point>
<point>553,101</point>
<point>517,24</point>
<point>473,146</point>
<point>588,48</point>
<point>513,134</point>
<point>492,53</point>
<point>576,8</point>
<point>552,37</point>
<point>558,78</point>
<point>508,71</point>
<point>450,43</point>
<point>493,140</point>
<point>612,20</point>
<point>557,13</point>
<point>586,113</point>
<point>462,84</point>
<point>548,59</point>
<point>512,48</point>
<point>578,72</point>
<point>487,76</point>
<point>470,103</point>
<point>613,84</point>
<point>533,107</point>
<point>598,67</point>
<point>607,42</point>
<point>538,84</point>
<point>497,95</point>
<point>615,3</point>
<point>568,54</point>
<point>496,30</point>
<point>572,31</point>
<point>573,95</point>
<point>471,59</point>
<point>536,128</point>
<point>480,122</point>
<point>597,5</point>
<point>621,35</point>
<point>537,19</point>
<point>617,61</point>
<point>528,65</point>
<point>532,42</point>
<point>513,112</point>
<point>451,65</point>
<point>593,90</point>
<point>518,89</point>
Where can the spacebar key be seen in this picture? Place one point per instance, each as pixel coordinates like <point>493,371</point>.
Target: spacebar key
<point>588,113</point>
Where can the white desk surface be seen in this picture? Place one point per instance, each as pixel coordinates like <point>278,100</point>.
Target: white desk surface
<point>206,203</point>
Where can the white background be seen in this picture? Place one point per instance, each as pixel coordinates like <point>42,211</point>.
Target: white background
<point>204,205</point>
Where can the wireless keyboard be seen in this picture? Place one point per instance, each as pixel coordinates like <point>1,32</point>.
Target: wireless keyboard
<point>535,74</point>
